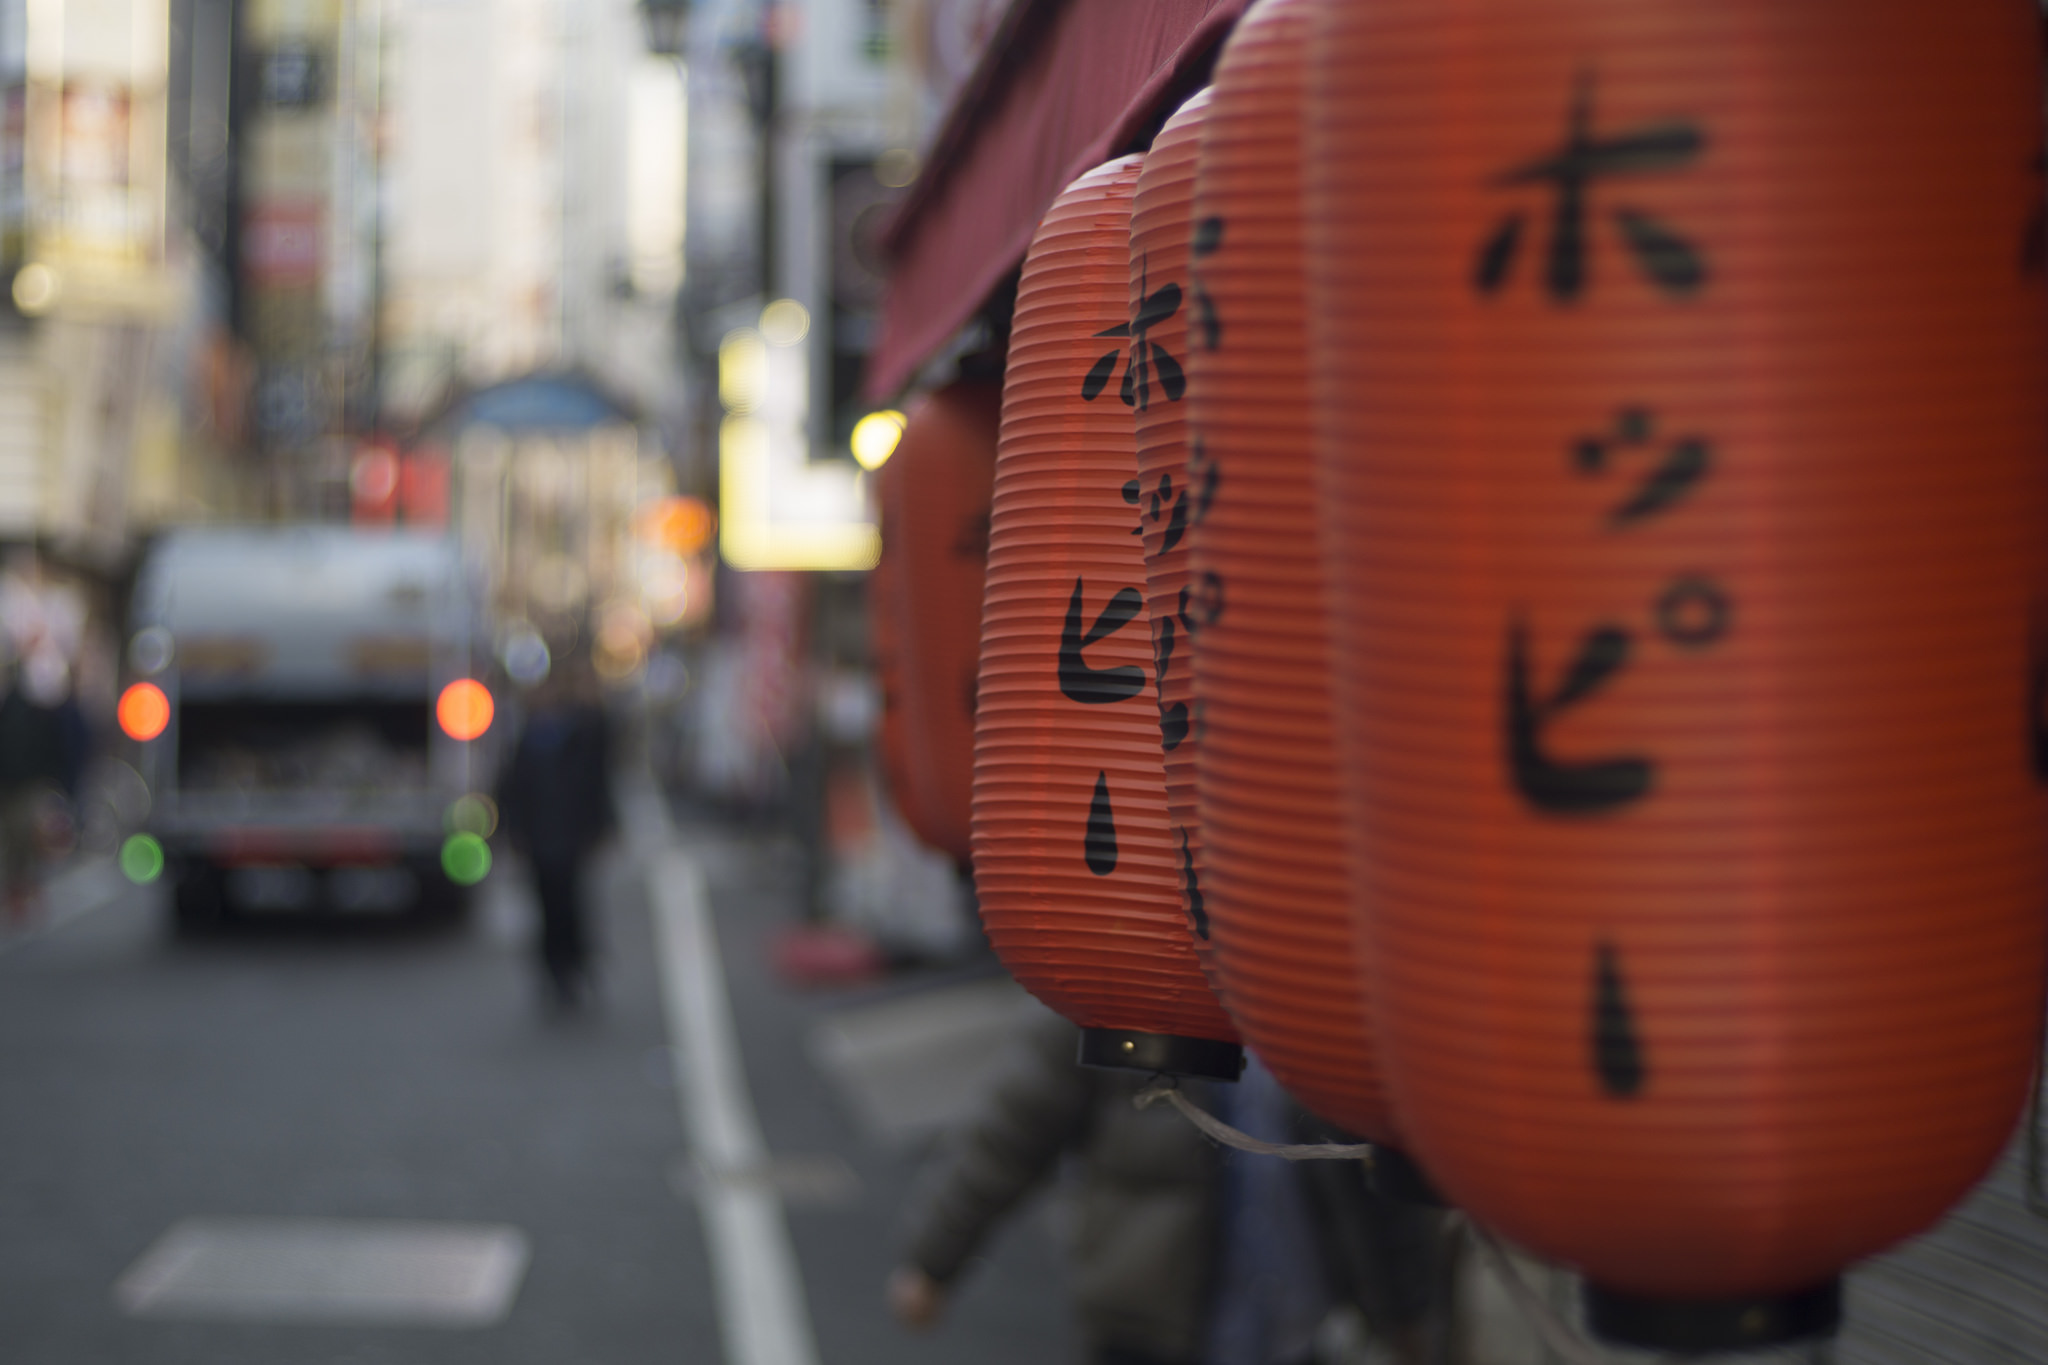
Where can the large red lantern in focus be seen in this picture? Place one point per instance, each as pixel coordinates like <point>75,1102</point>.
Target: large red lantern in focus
<point>1680,403</point>
<point>1074,861</point>
<point>1155,385</point>
<point>1277,880</point>
<point>938,483</point>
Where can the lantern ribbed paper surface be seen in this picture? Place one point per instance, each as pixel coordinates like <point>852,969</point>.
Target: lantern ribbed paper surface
<point>1074,863</point>
<point>1681,415</point>
<point>1277,881</point>
<point>943,473</point>
<point>1156,388</point>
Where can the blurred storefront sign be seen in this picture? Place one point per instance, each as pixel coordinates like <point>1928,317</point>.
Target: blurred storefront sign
<point>373,480</point>
<point>778,507</point>
<point>294,74</point>
<point>281,244</point>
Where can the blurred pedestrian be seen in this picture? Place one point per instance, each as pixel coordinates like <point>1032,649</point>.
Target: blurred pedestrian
<point>555,802</point>
<point>1144,1202</point>
<point>42,751</point>
<point>1181,1254</point>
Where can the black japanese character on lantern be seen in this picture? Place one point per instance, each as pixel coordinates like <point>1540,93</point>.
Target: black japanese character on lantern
<point>1684,463</point>
<point>1206,327</point>
<point>1099,686</point>
<point>1668,259</point>
<point>1170,504</point>
<point>1191,884</point>
<point>1693,612</point>
<point>1553,785</point>
<point>1098,839</point>
<point>1173,720</point>
<point>1201,603</point>
<point>1147,356</point>
<point>1615,1045</point>
<point>1098,376</point>
<point>1204,473</point>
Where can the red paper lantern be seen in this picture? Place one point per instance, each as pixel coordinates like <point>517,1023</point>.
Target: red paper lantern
<point>1155,385</point>
<point>940,480</point>
<point>1277,880</point>
<point>885,646</point>
<point>1680,407</point>
<point>1074,861</point>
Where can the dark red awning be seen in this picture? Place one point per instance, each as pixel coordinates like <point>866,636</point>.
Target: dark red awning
<point>1063,85</point>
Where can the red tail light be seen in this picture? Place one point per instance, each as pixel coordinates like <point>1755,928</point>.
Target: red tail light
<point>465,709</point>
<point>144,711</point>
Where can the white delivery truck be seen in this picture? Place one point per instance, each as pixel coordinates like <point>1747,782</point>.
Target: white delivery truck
<point>305,709</point>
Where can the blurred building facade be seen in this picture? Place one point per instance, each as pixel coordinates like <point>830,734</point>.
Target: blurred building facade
<point>94,266</point>
<point>532,238</point>
<point>305,263</point>
<point>805,122</point>
<point>534,200</point>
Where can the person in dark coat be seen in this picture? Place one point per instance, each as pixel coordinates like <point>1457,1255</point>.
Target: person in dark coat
<point>555,803</point>
<point>1182,1254</point>
<point>42,750</point>
<point>1145,1202</point>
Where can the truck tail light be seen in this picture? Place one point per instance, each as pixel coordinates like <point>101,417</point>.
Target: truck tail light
<point>142,859</point>
<point>144,711</point>
<point>466,859</point>
<point>465,709</point>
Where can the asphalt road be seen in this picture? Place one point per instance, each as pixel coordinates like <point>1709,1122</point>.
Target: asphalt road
<point>385,1073</point>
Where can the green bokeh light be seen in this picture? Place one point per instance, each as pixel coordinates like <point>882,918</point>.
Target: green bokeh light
<point>472,814</point>
<point>142,859</point>
<point>466,858</point>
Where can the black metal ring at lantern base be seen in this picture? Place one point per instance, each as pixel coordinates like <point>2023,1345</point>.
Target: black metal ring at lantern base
<point>1395,1176</point>
<point>1130,1050</point>
<point>1695,1327</point>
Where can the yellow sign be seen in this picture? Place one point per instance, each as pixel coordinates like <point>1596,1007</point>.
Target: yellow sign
<point>271,20</point>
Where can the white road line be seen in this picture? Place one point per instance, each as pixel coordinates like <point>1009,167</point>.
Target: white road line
<point>761,1308</point>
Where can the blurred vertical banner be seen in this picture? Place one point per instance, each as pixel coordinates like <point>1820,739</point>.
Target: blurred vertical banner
<point>309,95</point>
<point>781,509</point>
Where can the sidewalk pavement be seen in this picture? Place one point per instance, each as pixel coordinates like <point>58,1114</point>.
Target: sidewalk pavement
<point>77,886</point>
<point>849,1090</point>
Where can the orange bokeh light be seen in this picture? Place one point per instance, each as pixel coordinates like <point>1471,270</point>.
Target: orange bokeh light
<point>465,708</point>
<point>682,526</point>
<point>144,711</point>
